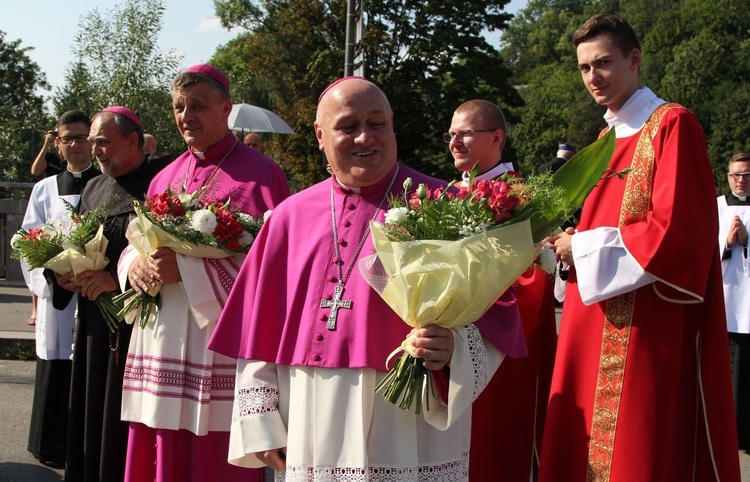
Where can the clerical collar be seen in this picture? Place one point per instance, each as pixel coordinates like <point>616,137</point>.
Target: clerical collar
<point>630,118</point>
<point>217,150</point>
<point>489,175</point>
<point>79,174</point>
<point>741,198</point>
<point>354,190</point>
<point>367,190</point>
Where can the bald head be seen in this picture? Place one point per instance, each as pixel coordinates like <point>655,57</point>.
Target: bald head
<point>253,140</point>
<point>354,128</point>
<point>149,144</point>
<point>346,86</point>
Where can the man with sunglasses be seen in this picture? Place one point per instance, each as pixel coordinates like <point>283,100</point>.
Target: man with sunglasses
<point>50,200</point>
<point>734,218</point>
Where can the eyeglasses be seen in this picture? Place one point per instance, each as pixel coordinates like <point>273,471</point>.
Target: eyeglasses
<point>737,175</point>
<point>448,136</point>
<point>68,140</point>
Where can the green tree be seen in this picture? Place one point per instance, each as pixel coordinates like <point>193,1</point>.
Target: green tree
<point>708,70</point>
<point>245,87</point>
<point>556,107</point>
<point>22,111</point>
<point>428,56</point>
<point>78,92</point>
<point>692,55</point>
<point>119,63</point>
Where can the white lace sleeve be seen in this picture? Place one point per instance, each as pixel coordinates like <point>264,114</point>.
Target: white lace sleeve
<point>474,362</point>
<point>256,423</point>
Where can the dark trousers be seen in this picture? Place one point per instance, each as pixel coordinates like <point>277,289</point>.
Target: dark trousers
<point>739,348</point>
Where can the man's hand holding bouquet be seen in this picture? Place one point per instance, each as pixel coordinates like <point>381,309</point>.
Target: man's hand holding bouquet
<point>189,224</point>
<point>74,249</point>
<point>444,257</point>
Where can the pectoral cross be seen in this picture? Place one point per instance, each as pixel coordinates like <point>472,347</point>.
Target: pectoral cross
<point>334,305</point>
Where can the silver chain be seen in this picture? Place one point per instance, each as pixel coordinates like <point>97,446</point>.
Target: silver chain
<point>345,277</point>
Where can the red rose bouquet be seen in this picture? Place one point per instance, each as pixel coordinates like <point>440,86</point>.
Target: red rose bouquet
<point>443,257</point>
<point>190,224</point>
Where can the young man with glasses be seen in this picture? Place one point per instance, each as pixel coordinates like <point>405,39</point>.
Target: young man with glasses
<point>515,400</point>
<point>734,218</point>
<point>477,136</point>
<point>50,200</point>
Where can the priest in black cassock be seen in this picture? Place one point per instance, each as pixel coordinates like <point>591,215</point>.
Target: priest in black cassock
<point>52,199</point>
<point>97,438</point>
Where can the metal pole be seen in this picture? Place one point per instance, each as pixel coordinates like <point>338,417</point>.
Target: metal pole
<point>353,58</point>
<point>351,23</point>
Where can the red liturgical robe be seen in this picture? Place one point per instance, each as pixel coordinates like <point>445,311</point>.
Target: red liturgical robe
<point>508,417</point>
<point>641,389</point>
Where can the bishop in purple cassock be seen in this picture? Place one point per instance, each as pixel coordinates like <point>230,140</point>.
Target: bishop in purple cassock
<point>304,394</point>
<point>177,394</point>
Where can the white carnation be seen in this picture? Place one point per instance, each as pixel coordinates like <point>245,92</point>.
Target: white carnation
<point>62,225</point>
<point>396,215</point>
<point>244,219</point>
<point>246,239</point>
<point>203,221</point>
<point>266,215</point>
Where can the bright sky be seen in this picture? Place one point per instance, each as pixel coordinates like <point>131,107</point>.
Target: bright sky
<point>190,27</point>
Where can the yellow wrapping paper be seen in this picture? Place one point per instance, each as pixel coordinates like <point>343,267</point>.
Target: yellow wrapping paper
<point>77,261</point>
<point>146,236</point>
<point>452,283</point>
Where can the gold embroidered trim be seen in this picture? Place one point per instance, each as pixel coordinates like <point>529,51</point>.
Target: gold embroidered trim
<point>618,315</point>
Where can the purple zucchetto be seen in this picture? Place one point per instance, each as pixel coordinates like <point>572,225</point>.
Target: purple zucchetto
<point>118,109</point>
<point>209,71</point>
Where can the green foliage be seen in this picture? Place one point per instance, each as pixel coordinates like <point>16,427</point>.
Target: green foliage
<point>22,113</point>
<point>36,246</point>
<point>78,92</point>
<point>245,87</point>
<point>87,225</point>
<point>428,56</point>
<point>696,53</point>
<point>119,63</point>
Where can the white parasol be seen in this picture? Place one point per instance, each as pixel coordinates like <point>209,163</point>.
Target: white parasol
<point>251,118</point>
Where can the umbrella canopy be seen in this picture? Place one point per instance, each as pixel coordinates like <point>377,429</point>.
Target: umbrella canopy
<point>251,118</point>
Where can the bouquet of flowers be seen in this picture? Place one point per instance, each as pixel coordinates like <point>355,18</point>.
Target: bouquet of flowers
<point>73,243</point>
<point>444,257</point>
<point>190,224</point>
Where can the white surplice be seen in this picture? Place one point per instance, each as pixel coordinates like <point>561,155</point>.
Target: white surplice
<point>171,380</point>
<point>335,427</point>
<point>54,328</point>
<point>735,271</point>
